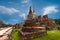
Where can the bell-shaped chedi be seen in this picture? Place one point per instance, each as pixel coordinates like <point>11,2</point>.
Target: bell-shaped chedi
<point>30,15</point>
<point>34,14</point>
<point>32,19</point>
<point>31,27</point>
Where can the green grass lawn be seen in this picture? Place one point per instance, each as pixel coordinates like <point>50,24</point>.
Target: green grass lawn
<point>16,35</point>
<point>51,35</point>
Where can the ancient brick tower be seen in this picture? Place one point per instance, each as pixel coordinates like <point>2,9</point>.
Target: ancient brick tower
<point>31,27</point>
<point>31,14</point>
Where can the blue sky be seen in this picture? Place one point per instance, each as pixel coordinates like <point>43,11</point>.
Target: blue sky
<point>15,11</point>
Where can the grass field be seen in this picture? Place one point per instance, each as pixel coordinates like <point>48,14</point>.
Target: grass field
<point>51,35</point>
<point>16,35</point>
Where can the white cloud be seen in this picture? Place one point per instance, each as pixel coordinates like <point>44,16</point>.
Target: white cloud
<point>23,15</point>
<point>50,10</point>
<point>25,1</point>
<point>6,10</point>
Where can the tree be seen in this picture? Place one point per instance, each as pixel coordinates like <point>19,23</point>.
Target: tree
<point>1,23</point>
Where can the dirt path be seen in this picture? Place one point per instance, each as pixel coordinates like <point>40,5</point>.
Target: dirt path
<point>5,33</point>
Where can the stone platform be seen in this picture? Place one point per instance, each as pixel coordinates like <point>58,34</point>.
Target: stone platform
<point>33,34</point>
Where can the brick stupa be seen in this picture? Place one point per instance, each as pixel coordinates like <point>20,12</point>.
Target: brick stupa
<point>31,27</point>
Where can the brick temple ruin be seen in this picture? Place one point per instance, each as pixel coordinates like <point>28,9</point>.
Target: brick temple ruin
<point>35,26</point>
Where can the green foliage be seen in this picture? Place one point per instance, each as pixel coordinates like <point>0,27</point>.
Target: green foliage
<point>57,21</point>
<point>16,35</point>
<point>1,22</point>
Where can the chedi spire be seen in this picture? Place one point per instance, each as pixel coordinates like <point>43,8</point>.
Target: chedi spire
<point>30,10</point>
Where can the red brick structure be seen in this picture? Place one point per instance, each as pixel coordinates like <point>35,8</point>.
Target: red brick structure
<point>48,22</point>
<point>31,27</point>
